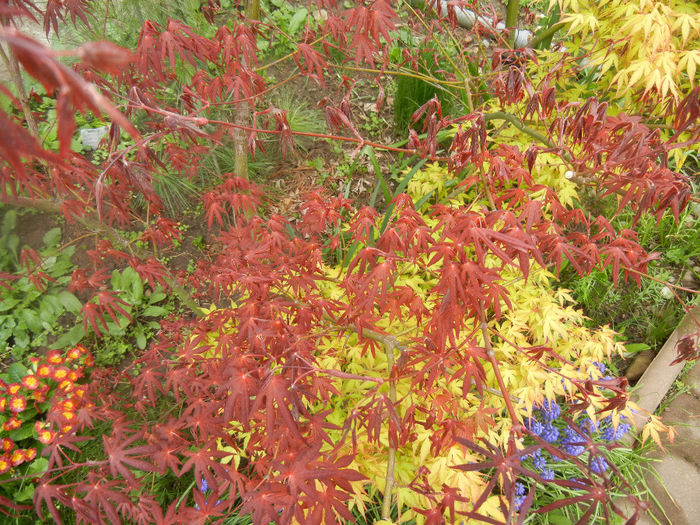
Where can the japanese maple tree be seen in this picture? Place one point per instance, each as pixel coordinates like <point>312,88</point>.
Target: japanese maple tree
<point>248,392</point>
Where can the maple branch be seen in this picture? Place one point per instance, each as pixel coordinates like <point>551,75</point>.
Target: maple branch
<point>355,140</point>
<point>512,20</point>
<point>515,121</point>
<point>240,144</point>
<point>391,458</point>
<point>13,67</point>
<point>436,40</point>
<point>670,285</point>
<point>402,72</point>
<point>544,35</point>
<point>483,325</point>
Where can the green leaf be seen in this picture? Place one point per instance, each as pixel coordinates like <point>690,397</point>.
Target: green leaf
<point>50,307</point>
<point>70,338</point>
<point>25,494</point>
<point>21,340</point>
<point>636,347</point>
<point>297,20</point>
<point>70,302</point>
<point>400,189</point>
<point>23,432</point>
<point>8,303</point>
<point>140,337</point>
<point>31,319</point>
<point>558,518</point>
<point>52,237</point>
<point>39,465</point>
<point>154,311</point>
<point>16,372</point>
<point>157,297</point>
<point>9,222</point>
<point>130,283</point>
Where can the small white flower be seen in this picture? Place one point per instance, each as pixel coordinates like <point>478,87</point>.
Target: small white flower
<point>569,174</point>
<point>666,292</point>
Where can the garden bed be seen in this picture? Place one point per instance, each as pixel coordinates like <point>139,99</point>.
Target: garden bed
<point>318,268</point>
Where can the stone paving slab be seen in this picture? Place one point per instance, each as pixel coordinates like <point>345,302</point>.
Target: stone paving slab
<point>678,487</point>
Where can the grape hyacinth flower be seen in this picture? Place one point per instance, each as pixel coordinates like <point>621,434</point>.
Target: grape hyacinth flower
<point>550,433</point>
<point>573,442</point>
<point>538,460</point>
<point>609,433</point>
<point>547,474</point>
<point>599,465</point>
<point>520,495</point>
<point>549,409</point>
<point>534,426</point>
<point>204,487</point>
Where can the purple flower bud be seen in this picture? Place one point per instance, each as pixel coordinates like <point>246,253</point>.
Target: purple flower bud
<point>548,474</point>
<point>599,465</point>
<point>573,442</point>
<point>549,409</point>
<point>534,426</point>
<point>520,495</point>
<point>538,460</point>
<point>550,433</point>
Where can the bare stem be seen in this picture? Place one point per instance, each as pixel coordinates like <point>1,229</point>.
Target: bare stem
<point>13,67</point>
<point>239,139</point>
<point>512,19</point>
<point>391,458</point>
<point>544,35</point>
<point>497,371</point>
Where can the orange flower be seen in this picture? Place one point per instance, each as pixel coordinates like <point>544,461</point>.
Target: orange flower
<point>3,403</point>
<point>17,457</point>
<point>68,404</point>
<point>59,374</point>
<point>30,382</point>
<point>7,444</point>
<point>68,415</point>
<point>79,391</point>
<point>18,404</point>
<point>11,424</point>
<point>74,353</point>
<point>4,464</point>
<point>46,436</point>
<point>40,394</point>
<point>89,360</point>
<point>29,454</point>
<point>13,388</point>
<point>73,375</point>
<point>44,371</point>
<point>54,357</point>
<point>66,385</point>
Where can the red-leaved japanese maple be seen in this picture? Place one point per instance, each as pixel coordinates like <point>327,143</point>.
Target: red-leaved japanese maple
<point>193,400</point>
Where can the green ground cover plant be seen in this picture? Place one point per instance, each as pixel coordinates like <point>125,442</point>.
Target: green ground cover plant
<point>396,346</point>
